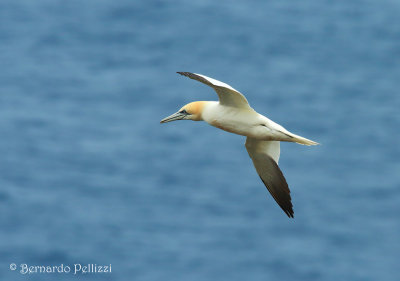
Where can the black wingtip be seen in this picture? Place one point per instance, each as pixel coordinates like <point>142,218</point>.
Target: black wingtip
<point>288,211</point>
<point>287,206</point>
<point>184,73</point>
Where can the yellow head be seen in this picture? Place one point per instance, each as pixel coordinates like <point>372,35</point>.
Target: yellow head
<point>191,111</point>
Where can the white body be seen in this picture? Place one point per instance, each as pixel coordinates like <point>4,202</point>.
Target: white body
<point>244,121</point>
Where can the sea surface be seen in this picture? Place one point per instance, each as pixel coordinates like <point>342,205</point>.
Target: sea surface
<point>88,175</point>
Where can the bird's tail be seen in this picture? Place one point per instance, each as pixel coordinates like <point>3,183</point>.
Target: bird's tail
<point>303,141</point>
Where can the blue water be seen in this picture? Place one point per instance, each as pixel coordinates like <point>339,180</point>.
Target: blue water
<point>88,175</point>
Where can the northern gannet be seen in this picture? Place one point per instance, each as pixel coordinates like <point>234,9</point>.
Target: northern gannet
<point>233,114</point>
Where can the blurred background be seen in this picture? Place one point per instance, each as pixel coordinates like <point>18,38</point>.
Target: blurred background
<point>88,175</point>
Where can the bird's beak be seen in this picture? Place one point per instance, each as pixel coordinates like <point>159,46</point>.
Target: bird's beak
<point>173,117</point>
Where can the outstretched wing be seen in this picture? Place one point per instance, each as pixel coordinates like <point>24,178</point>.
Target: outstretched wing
<point>227,95</point>
<point>265,156</point>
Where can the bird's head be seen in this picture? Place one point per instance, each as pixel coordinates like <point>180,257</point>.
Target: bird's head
<point>191,111</point>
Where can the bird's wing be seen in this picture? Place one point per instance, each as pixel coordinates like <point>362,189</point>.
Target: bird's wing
<point>265,156</point>
<point>227,95</point>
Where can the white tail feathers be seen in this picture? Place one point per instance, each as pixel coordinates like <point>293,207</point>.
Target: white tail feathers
<point>304,141</point>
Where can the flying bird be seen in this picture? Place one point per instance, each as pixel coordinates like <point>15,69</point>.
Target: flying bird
<point>233,114</point>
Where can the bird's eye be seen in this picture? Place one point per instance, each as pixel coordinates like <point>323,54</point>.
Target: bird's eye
<point>183,112</point>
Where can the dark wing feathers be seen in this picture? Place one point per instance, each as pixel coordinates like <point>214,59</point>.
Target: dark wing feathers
<point>276,183</point>
<point>196,77</point>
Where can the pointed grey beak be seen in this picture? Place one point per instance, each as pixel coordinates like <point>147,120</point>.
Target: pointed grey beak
<point>173,117</point>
